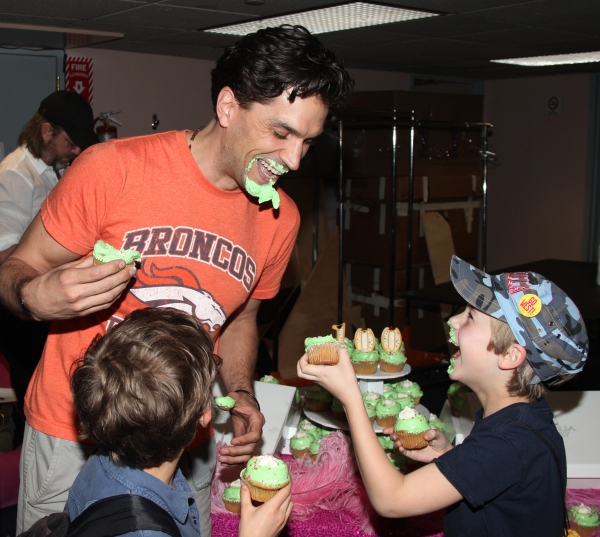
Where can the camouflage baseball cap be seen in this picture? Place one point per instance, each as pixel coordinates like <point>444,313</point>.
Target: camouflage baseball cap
<point>541,316</point>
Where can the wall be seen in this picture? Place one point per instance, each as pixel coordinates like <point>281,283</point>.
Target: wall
<point>536,195</point>
<point>176,89</point>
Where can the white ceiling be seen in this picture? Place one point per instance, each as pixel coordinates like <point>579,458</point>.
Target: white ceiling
<point>459,43</point>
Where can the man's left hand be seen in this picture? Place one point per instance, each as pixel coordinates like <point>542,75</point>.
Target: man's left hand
<point>247,429</point>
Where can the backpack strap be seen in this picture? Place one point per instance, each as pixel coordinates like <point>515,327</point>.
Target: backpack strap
<point>122,514</point>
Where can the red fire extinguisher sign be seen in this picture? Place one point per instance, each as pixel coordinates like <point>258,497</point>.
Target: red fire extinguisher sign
<point>79,77</point>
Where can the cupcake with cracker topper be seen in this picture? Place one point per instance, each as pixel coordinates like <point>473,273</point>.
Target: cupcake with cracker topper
<point>365,358</point>
<point>391,358</point>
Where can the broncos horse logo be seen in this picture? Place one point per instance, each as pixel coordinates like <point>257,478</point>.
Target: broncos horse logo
<point>177,287</point>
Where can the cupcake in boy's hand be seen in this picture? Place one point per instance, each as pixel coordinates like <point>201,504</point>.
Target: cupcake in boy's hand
<point>584,519</point>
<point>322,350</point>
<point>410,428</point>
<point>264,476</point>
<point>231,497</point>
<point>105,253</point>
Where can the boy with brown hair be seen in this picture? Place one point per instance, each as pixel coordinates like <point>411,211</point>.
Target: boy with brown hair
<point>140,393</point>
<point>508,477</point>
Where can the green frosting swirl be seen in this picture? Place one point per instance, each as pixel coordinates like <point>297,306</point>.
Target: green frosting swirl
<point>396,357</point>
<point>225,402</point>
<point>266,470</point>
<point>404,400</point>
<point>370,409</point>
<point>386,442</point>
<point>387,407</point>
<point>301,440</point>
<point>105,253</point>
<point>411,388</point>
<point>232,492</point>
<point>436,422</point>
<point>371,397</point>
<point>361,356</point>
<point>311,341</point>
<point>265,192</point>
<point>410,421</point>
<point>585,516</point>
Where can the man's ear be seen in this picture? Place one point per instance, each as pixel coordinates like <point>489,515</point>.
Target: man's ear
<point>226,106</point>
<point>47,132</point>
<point>206,417</point>
<point>513,357</point>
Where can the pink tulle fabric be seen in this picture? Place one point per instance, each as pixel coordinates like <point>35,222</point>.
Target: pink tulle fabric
<point>329,499</point>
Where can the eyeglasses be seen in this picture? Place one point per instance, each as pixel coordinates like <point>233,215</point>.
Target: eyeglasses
<point>218,361</point>
<point>72,146</point>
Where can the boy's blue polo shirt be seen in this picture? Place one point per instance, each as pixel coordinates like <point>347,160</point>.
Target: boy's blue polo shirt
<point>507,476</point>
<point>101,478</point>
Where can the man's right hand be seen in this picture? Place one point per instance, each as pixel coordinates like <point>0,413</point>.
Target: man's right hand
<point>75,289</point>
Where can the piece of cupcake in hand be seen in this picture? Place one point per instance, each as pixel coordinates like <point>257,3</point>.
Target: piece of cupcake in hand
<point>105,253</point>
<point>232,497</point>
<point>225,403</point>
<point>456,397</point>
<point>410,428</point>
<point>365,358</point>
<point>264,476</point>
<point>322,350</point>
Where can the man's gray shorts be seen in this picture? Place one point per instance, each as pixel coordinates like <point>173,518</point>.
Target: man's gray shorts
<point>49,465</point>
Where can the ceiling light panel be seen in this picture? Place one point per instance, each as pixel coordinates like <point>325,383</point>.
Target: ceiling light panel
<point>331,19</point>
<point>555,59</point>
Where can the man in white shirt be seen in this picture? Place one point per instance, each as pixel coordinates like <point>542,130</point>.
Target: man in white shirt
<point>62,128</point>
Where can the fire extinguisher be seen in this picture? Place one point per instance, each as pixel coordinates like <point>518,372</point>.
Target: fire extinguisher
<point>105,130</point>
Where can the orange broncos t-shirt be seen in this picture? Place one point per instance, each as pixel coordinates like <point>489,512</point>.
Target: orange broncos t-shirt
<point>204,250</point>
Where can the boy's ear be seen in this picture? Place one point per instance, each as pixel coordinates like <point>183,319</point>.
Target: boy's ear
<point>206,417</point>
<point>513,357</point>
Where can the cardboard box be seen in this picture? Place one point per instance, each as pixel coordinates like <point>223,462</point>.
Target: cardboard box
<point>574,417</point>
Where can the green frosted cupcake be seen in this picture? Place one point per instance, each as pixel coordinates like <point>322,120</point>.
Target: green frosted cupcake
<point>584,519</point>
<point>370,409</point>
<point>386,412</point>
<point>456,397</point>
<point>264,475</point>
<point>300,442</point>
<point>317,399</point>
<point>411,388</point>
<point>371,397</point>
<point>410,428</point>
<point>365,362</point>
<point>436,422</point>
<point>269,379</point>
<point>322,350</point>
<point>232,497</point>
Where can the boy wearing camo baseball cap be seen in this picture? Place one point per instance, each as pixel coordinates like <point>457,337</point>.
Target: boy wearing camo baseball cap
<point>519,333</point>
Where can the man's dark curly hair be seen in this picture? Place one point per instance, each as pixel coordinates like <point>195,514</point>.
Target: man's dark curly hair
<point>140,390</point>
<point>262,65</point>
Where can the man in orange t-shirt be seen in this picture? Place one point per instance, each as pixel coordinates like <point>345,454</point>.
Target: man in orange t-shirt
<point>186,202</point>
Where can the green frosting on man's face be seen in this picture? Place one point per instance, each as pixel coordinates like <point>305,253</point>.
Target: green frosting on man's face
<point>264,192</point>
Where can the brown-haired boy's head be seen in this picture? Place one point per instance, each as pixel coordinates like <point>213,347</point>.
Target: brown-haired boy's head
<point>141,389</point>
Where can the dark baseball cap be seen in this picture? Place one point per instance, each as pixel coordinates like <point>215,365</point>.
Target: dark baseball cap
<point>73,113</point>
<point>541,316</point>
